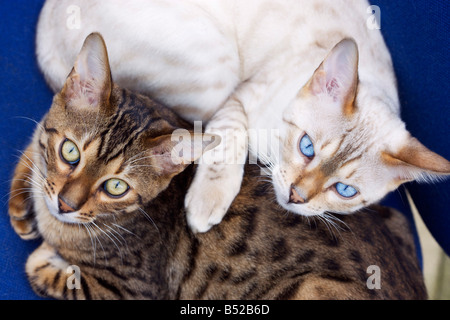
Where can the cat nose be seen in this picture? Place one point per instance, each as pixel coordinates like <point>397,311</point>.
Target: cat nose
<point>64,205</point>
<point>294,197</point>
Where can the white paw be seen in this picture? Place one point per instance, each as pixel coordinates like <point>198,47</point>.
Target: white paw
<point>211,194</point>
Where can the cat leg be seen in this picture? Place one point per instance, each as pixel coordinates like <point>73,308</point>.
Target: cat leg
<point>47,272</point>
<point>219,175</point>
<point>21,211</point>
<point>52,276</point>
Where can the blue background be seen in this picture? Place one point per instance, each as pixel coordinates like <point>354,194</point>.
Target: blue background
<point>417,33</point>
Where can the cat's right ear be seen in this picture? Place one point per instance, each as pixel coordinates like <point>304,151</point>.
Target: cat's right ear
<point>174,152</point>
<point>337,76</point>
<point>414,161</point>
<point>89,84</point>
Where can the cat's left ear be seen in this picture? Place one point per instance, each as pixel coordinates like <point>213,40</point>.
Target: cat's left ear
<point>337,76</point>
<point>414,161</point>
<point>89,83</point>
<point>174,152</point>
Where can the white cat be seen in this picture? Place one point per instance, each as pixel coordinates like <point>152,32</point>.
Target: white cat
<point>310,71</point>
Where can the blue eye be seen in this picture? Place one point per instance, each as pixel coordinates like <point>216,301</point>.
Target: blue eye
<point>306,146</point>
<point>345,190</point>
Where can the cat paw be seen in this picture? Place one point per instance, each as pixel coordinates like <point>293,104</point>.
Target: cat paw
<point>23,221</point>
<point>47,272</point>
<point>211,194</point>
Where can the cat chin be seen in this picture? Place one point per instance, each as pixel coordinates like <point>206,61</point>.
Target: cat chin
<point>300,209</point>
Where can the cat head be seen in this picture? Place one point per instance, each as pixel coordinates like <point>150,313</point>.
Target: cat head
<point>344,147</point>
<point>104,150</point>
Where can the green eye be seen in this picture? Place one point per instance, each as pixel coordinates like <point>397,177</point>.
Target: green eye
<point>115,187</point>
<point>70,152</point>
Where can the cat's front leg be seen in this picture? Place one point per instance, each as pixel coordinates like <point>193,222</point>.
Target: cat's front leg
<point>46,272</point>
<point>21,210</point>
<point>52,276</point>
<point>219,175</point>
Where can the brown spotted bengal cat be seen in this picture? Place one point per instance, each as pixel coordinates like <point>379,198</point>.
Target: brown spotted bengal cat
<point>100,185</point>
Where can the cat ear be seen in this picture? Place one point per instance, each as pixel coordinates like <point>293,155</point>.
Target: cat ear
<point>174,152</point>
<point>337,76</point>
<point>89,83</point>
<point>414,161</point>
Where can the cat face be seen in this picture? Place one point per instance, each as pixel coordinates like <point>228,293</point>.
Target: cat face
<point>102,150</point>
<point>344,150</point>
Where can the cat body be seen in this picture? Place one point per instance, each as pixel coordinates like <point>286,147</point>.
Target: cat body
<point>100,183</point>
<point>211,47</point>
<point>280,75</point>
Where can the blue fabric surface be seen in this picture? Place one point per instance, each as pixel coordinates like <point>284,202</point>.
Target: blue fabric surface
<point>23,94</point>
<point>418,36</point>
<point>415,31</point>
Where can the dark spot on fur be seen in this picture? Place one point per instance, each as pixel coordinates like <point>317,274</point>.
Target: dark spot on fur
<point>276,274</point>
<point>250,290</point>
<point>279,249</point>
<point>193,257</point>
<point>248,225</point>
<point>301,273</point>
<point>244,276</point>
<point>383,212</point>
<point>238,247</point>
<point>367,238</point>
<point>355,256</point>
<point>201,291</point>
<point>261,190</point>
<point>331,264</point>
<point>289,291</point>
<point>305,256</point>
<point>399,241</point>
<point>225,273</point>
<point>210,271</point>
<point>290,220</point>
<point>337,277</point>
<point>252,210</point>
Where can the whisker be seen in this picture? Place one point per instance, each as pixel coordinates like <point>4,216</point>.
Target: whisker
<point>31,181</point>
<point>124,229</point>
<point>112,240</point>
<point>151,220</point>
<point>39,173</point>
<point>131,160</point>
<point>94,245</point>
<point>114,231</point>
<point>144,165</point>
<point>18,194</point>
<point>325,221</point>
<point>99,242</point>
<point>32,120</point>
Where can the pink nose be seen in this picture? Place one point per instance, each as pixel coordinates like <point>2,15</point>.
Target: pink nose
<point>294,197</point>
<point>63,206</point>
